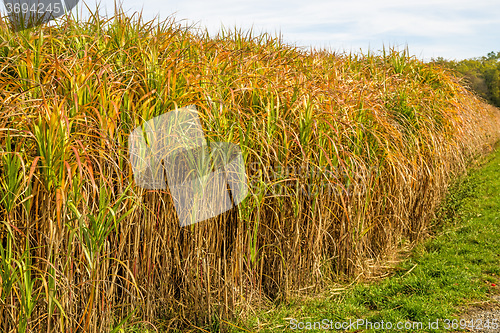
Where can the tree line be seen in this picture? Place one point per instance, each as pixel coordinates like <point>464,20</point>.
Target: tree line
<point>481,74</point>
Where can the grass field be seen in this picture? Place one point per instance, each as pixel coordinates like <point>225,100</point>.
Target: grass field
<point>458,265</point>
<point>348,156</point>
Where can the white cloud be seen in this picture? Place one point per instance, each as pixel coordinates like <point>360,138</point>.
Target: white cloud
<point>457,28</point>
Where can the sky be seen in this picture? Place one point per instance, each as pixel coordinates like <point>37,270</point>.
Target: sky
<point>453,29</point>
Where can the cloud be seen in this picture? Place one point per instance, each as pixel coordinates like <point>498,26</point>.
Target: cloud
<point>458,28</point>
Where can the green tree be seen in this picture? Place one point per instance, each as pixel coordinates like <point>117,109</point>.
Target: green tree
<point>481,75</point>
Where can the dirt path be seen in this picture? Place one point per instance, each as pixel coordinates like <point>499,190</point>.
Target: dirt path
<point>480,313</point>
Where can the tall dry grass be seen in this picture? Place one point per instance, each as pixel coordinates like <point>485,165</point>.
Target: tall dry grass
<point>346,154</point>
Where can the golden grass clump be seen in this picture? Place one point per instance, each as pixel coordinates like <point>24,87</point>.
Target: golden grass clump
<point>346,155</point>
